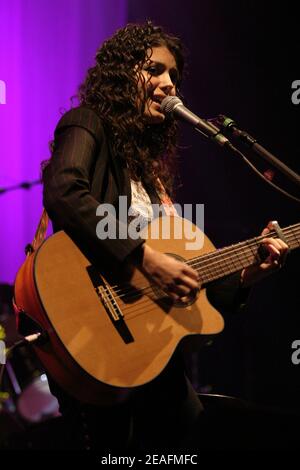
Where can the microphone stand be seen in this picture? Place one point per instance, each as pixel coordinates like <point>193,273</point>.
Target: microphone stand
<point>229,125</point>
<point>24,185</point>
<point>269,157</point>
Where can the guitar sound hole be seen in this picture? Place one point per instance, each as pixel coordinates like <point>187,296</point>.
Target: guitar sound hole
<point>186,300</point>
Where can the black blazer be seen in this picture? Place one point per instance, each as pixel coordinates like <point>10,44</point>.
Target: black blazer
<point>84,172</point>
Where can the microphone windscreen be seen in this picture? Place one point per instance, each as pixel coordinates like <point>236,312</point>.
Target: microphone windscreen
<point>168,104</point>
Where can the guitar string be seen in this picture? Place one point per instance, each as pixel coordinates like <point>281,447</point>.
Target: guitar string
<point>142,307</point>
<point>205,260</point>
<point>245,245</point>
<point>151,307</point>
<point>146,300</point>
<point>121,292</point>
<point>135,295</point>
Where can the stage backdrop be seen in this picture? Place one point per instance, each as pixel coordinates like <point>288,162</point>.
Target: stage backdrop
<point>243,61</point>
<point>45,50</point>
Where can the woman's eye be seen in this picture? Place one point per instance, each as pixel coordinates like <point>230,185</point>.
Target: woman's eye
<point>152,70</point>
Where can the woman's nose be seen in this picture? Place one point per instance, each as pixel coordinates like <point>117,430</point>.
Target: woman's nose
<point>166,84</point>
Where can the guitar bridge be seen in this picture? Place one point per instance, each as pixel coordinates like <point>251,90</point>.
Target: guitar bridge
<point>108,300</point>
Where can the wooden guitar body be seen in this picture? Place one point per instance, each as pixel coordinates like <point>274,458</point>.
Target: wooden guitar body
<point>109,330</point>
<point>107,333</point>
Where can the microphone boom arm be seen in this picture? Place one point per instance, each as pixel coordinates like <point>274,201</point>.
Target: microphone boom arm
<point>229,125</point>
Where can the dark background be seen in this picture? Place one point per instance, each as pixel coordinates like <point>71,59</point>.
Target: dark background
<point>242,59</point>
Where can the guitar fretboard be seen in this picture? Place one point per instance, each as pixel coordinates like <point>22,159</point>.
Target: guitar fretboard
<point>231,259</point>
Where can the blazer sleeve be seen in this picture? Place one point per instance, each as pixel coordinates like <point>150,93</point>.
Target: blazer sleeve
<point>67,187</point>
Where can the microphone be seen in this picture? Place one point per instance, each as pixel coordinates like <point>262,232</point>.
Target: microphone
<point>174,106</point>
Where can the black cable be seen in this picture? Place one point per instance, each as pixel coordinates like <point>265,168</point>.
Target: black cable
<point>30,339</point>
<point>278,188</point>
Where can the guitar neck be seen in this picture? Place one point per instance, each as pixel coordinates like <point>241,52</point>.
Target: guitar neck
<point>231,259</point>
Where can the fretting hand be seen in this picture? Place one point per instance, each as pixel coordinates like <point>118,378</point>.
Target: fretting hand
<point>277,251</point>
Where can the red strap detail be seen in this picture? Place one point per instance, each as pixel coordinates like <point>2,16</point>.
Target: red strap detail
<point>17,311</point>
<point>41,231</point>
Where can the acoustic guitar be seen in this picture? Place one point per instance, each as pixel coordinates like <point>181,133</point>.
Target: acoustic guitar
<point>110,331</point>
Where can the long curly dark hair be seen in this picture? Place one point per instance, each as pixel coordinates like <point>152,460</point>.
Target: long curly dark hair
<point>111,90</point>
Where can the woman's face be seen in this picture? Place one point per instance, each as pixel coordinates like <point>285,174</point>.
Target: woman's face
<point>161,75</point>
